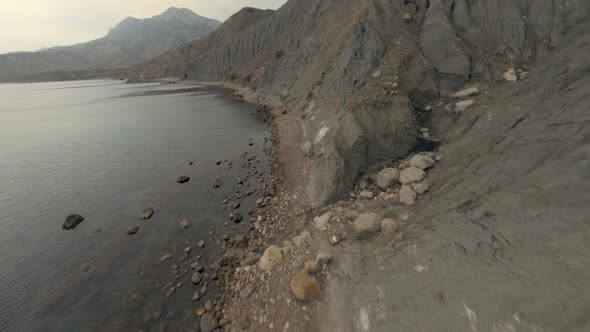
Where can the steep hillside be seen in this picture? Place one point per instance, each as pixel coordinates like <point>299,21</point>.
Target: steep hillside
<point>131,41</point>
<point>498,239</point>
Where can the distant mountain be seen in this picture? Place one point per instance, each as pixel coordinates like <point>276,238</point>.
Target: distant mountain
<point>132,41</point>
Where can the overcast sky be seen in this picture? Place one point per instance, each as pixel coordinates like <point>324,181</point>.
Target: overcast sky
<point>27,25</point>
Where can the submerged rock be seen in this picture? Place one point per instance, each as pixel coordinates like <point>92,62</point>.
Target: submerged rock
<point>146,214</point>
<point>466,93</point>
<point>184,224</point>
<point>72,221</point>
<point>389,226</point>
<point>183,179</point>
<point>209,322</point>
<point>132,230</point>
<point>463,105</point>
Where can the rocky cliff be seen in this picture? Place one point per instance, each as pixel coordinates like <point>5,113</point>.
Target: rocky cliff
<point>362,73</point>
<point>499,89</point>
<point>131,41</point>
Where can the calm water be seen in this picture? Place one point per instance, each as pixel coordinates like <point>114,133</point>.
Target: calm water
<point>107,150</point>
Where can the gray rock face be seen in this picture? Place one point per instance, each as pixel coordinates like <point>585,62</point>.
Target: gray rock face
<point>72,221</point>
<point>366,224</point>
<point>440,46</point>
<point>387,177</point>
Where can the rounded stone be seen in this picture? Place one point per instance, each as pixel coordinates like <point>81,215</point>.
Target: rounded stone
<point>272,257</point>
<point>305,287</point>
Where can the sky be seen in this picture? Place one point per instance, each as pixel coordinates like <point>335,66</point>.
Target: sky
<point>28,25</point>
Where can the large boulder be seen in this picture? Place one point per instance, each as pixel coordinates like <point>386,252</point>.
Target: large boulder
<point>273,257</point>
<point>422,161</point>
<point>366,224</point>
<point>305,287</point>
<point>387,177</point>
<point>411,174</point>
<point>407,195</point>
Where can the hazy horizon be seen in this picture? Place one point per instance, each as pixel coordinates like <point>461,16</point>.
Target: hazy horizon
<point>31,25</point>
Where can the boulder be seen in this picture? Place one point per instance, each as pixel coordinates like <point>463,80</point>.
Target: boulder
<point>407,195</point>
<point>72,221</point>
<point>387,177</point>
<point>209,322</point>
<point>272,257</point>
<point>466,93</point>
<point>411,174</point>
<point>321,222</point>
<point>366,224</point>
<point>146,214</point>
<point>365,194</point>
<point>183,179</point>
<point>421,188</point>
<point>422,161</point>
<point>305,287</point>
<point>463,105</point>
<point>389,226</point>
<point>302,240</point>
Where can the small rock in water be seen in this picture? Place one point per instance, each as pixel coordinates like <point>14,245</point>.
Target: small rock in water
<point>218,162</point>
<point>236,205</point>
<point>184,224</point>
<point>72,221</point>
<point>200,311</point>
<point>187,249</point>
<point>166,257</point>
<point>146,214</point>
<point>208,306</point>
<point>183,179</point>
<point>132,230</point>
<point>216,182</point>
<point>190,162</point>
<point>201,244</point>
<point>305,287</point>
<point>196,278</point>
<point>236,217</point>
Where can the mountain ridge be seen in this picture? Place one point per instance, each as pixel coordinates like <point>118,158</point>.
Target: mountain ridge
<point>131,41</point>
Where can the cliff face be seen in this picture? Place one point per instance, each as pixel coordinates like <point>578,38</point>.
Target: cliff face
<point>131,41</point>
<point>362,72</point>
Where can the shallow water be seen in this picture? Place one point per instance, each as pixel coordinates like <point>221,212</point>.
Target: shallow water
<point>106,150</point>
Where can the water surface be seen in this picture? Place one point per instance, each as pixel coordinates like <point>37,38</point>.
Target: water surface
<point>106,150</point>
